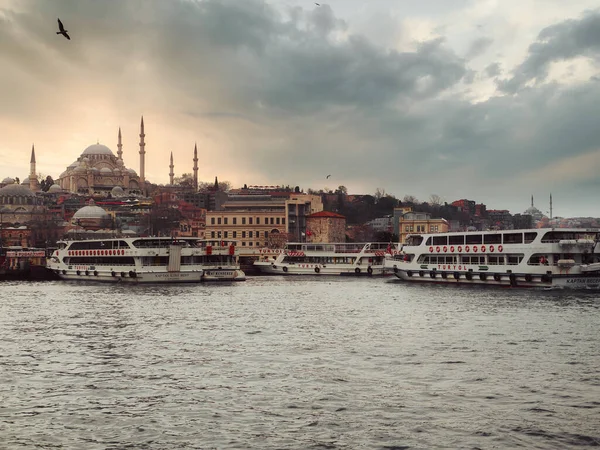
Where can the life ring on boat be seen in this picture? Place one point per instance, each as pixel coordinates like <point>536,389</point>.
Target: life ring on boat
<point>500,248</point>
<point>437,249</point>
<point>285,269</point>
<point>113,274</point>
<point>123,275</point>
<point>528,278</point>
<point>421,273</point>
<point>317,270</point>
<point>370,270</point>
<point>483,276</point>
<point>483,249</point>
<point>474,249</point>
<point>467,249</point>
<point>456,275</point>
<point>491,248</point>
<point>497,277</point>
<point>132,274</point>
<point>95,273</point>
<point>469,275</point>
<point>432,274</point>
<point>445,249</point>
<point>452,248</point>
<point>430,249</point>
<point>408,272</point>
<point>543,260</point>
<point>78,272</point>
<point>459,249</point>
<point>357,270</point>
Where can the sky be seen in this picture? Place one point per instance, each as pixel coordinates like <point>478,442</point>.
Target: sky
<point>489,100</point>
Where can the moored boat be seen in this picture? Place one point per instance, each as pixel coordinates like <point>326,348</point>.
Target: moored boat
<point>544,258</point>
<point>146,260</point>
<point>307,258</point>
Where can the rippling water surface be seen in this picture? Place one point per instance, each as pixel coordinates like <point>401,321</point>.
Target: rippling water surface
<point>297,363</point>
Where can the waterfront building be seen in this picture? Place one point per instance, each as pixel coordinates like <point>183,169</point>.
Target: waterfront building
<point>326,227</point>
<point>420,222</point>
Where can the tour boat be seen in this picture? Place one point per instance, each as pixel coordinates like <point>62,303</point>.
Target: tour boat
<point>147,260</point>
<point>546,258</point>
<point>328,259</point>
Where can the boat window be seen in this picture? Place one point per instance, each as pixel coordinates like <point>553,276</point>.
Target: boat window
<point>428,241</point>
<point>473,239</point>
<point>456,240</point>
<point>555,236</point>
<point>495,260</point>
<point>530,237</point>
<point>415,240</point>
<point>495,238</point>
<point>513,238</point>
<point>97,245</point>
<point>513,260</point>
<point>440,240</point>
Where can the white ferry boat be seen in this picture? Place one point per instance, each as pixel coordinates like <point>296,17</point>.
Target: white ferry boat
<point>547,258</point>
<point>146,260</point>
<point>328,259</point>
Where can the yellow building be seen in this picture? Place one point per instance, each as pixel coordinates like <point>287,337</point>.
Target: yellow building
<point>420,222</point>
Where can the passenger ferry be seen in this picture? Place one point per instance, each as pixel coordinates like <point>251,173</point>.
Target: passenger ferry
<point>146,260</point>
<point>328,259</point>
<point>546,258</point>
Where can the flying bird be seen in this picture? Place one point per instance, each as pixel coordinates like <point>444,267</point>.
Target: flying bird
<point>327,176</point>
<point>62,30</point>
<point>318,4</point>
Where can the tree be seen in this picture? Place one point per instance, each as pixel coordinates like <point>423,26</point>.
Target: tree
<point>45,184</point>
<point>410,199</point>
<point>224,186</point>
<point>185,180</point>
<point>435,200</point>
<point>379,193</point>
<point>342,190</point>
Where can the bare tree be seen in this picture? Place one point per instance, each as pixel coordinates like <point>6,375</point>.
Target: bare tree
<point>410,199</point>
<point>379,193</point>
<point>435,200</point>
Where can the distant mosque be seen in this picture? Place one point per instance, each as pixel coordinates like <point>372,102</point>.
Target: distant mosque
<point>99,172</point>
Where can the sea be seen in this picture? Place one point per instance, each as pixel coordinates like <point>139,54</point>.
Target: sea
<point>297,363</point>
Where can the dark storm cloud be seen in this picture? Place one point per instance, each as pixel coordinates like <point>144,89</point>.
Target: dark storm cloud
<point>563,41</point>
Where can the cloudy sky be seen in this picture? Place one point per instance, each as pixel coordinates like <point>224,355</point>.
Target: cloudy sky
<point>491,100</point>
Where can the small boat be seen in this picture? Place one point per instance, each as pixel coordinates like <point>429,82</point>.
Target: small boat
<point>545,258</point>
<point>305,258</point>
<point>146,260</point>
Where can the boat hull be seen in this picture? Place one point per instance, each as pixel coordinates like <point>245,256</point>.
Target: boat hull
<point>316,269</point>
<point>133,277</point>
<point>223,275</point>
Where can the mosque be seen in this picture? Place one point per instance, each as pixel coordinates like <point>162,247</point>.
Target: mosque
<point>99,172</point>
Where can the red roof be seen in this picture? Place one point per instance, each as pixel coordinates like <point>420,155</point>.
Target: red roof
<point>327,214</point>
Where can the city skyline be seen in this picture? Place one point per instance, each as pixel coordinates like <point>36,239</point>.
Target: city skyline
<point>491,101</point>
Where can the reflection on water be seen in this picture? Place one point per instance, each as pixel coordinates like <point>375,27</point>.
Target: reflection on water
<point>297,363</point>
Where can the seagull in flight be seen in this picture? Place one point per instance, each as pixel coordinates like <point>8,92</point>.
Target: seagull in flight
<point>318,4</point>
<point>327,176</point>
<point>62,30</point>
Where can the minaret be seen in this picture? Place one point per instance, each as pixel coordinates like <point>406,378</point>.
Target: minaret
<point>532,201</point>
<point>171,174</point>
<point>216,184</point>
<point>142,155</point>
<point>195,167</point>
<point>550,206</point>
<point>33,181</point>
<point>120,147</point>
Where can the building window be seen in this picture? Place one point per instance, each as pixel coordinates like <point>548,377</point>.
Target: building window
<point>219,235</point>
<point>249,234</point>
<point>219,221</point>
<point>258,221</point>
<point>243,221</point>
<point>225,220</point>
<point>258,244</point>
<point>406,228</point>
<point>212,220</point>
<point>235,234</point>
<point>249,220</point>
<point>212,234</point>
<point>258,234</point>
<point>243,234</point>
<point>272,221</point>
<point>225,234</point>
<point>235,220</point>
<point>243,243</point>
<point>266,234</point>
<point>250,243</point>
<point>278,221</point>
<point>283,221</point>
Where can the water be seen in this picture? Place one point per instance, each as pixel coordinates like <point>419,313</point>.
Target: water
<point>281,362</point>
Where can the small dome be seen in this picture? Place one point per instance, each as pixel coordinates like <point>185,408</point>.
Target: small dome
<point>117,191</point>
<point>131,171</point>
<point>16,190</point>
<point>91,212</point>
<point>8,180</point>
<point>120,163</point>
<point>106,170</point>
<point>97,149</point>
<point>25,181</point>
<point>54,188</point>
<point>73,165</point>
<point>86,159</point>
<point>80,169</point>
<point>95,169</point>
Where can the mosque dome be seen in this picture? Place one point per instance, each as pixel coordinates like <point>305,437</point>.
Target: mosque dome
<point>117,191</point>
<point>8,180</point>
<point>25,181</point>
<point>98,149</point>
<point>131,171</point>
<point>106,170</point>
<point>16,190</point>
<point>91,211</point>
<point>54,189</point>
